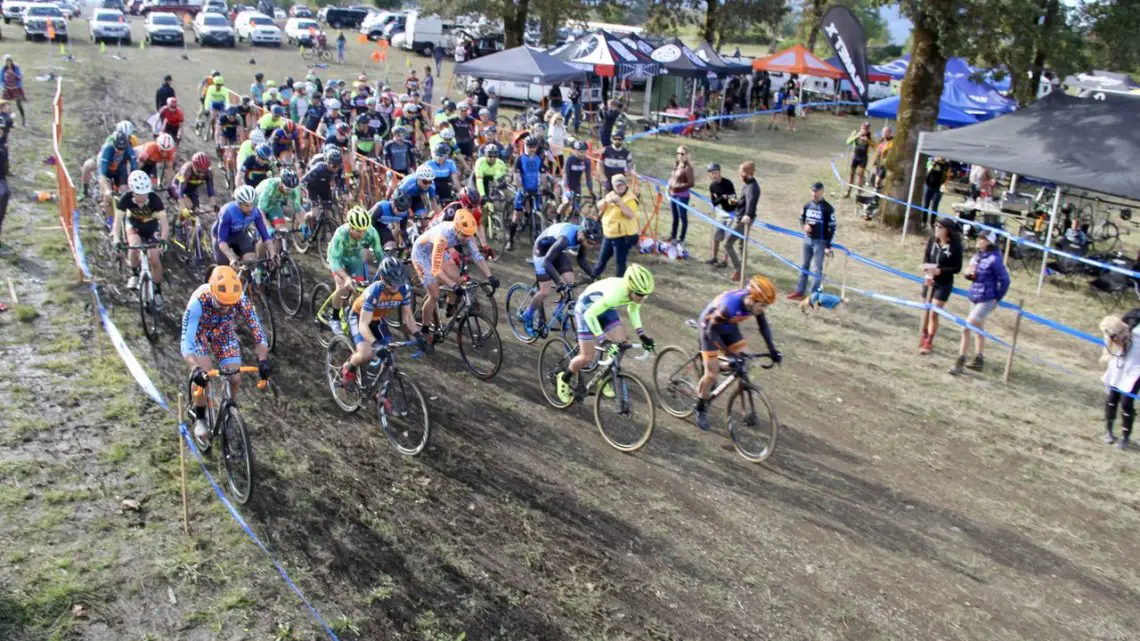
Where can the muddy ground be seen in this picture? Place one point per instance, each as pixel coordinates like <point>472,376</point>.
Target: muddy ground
<point>901,504</point>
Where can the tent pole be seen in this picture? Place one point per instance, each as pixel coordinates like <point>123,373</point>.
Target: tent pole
<point>648,93</point>
<point>1049,239</point>
<point>910,188</point>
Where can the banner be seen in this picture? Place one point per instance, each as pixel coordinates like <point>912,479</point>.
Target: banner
<point>850,44</point>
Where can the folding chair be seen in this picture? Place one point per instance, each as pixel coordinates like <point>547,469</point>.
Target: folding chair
<point>1066,269</point>
<point>1111,287</point>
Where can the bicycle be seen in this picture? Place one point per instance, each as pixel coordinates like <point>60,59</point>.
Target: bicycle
<point>286,277</point>
<point>228,154</point>
<point>193,238</point>
<point>322,54</point>
<point>254,276</point>
<point>226,423</point>
<point>327,219</point>
<point>582,206</point>
<point>148,313</point>
<point>531,219</point>
<point>613,389</point>
<point>475,333</point>
<point>400,403</point>
<point>561,319</point>
<point>320,301</point>
<point>676,375</point>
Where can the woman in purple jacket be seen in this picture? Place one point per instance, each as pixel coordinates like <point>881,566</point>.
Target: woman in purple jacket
<point>990,284</point>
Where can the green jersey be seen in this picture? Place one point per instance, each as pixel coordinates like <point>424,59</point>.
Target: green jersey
<point>601,297</point>
<point>485,171</point>
<point>345,251</point>
<point>244,151</point>
<point>271,198</point>
<point>216,94</point>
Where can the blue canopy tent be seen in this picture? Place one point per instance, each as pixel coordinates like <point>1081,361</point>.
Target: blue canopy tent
<point>948,114</point>
<point>955,68</point>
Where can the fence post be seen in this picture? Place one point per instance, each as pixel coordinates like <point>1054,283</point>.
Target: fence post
<point>182,464</point>
<point>744,256</point>
<point>1013,343</point>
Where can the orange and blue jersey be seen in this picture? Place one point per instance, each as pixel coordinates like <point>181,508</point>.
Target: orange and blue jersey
<point>728,307</point>
<point>378,301</point>
<point>210,330</point>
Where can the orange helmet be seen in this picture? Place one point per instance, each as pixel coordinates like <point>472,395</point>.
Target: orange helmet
<point>465,222</point>
<point>209,80</point>
<point>761,290</point>
<point>225,286</point>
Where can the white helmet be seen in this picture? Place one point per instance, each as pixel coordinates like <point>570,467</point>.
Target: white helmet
<point>139,182</point>
<point>447,134</point>
<point>126,127</point>
<point>404,98</point>
<point>425,173</point>
<point>165,141</point>
<point>257,137</point>
<point>245,194</point>
<point>333,103</point>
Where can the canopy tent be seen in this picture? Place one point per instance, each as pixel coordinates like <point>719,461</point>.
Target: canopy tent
<point>895,69</point>
<point>955,68</point>
<point>948,114</point>
<point>1101,80</point>
<point>604,55</point>
<point>719,64</point>
<point>978,99</point>
<point>873,74</point>
<point>679,60</point>
<point>521,64</point>
<point>797,60</point>
<point>636,43</point>
<point>1091,144</point>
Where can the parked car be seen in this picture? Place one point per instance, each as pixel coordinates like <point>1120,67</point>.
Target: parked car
<point>258,28</point>
<point>279,14</point>
<point>216,6</point>
<point>393,29</point>
<point>109,25</point>
<point>213,29</point>
<point>298,30</point>
<point>36,19</point>
<point>113,4</point>
<point>170,6</point>
<point>238,9</point>
<point>486,45</point>
<point>69,8</point>
<point>344,17</point>
<point>423,33</point>
<point>373,25</point>
<point>216,10</point>
<point>14,9</point>
<point>300,11</point>
<point>163,28</point>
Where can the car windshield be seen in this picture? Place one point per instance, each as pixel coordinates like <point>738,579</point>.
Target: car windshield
<point>216,21</point>
<point>163,19</point>
<point>107,16</point>
<point>261,22</point>
<point>45,11</point>
<point>307,24</point>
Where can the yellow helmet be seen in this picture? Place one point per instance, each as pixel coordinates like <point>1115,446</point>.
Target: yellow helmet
<point>225,286</point>
<point>639,279</point>
<point>465,222</point>
<point>359,219</point>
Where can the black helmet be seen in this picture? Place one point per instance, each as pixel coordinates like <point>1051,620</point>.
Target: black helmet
<point>531,141</point>
<point>334,156</point>
<point>392,271</point>
<point>443,149</point>
<point>121,140</point>
<point>289,178</point>
<point>580,145</point>
<point>448,105</point>
<point>400,201</point>
<point>362,119</point>
<point>490,151</point>
<point>592,229</point>
<point>618,135</point>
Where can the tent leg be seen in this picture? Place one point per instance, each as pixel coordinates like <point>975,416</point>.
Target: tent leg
<point>648,93</point>
<point>1048,239</point>
<point>910,188</point>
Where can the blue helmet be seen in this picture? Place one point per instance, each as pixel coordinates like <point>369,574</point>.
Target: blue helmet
<point>264,151</point>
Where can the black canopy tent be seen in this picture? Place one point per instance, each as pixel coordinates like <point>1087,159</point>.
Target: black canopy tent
<point>718,64</point>
<point>1091,144</point>
<point>521,64</point>
<point>678,60</point>
<point>1098,80</point>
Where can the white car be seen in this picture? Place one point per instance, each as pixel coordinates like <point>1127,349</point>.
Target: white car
<point>109,25</point>
<point>36,19</point>
<point>279,14</point>
<point>258,28</point>
<point>298,31</point>
<point>70,8</point>
<point>164,28</point>
<point>213,29</point>
<point>14,10</point>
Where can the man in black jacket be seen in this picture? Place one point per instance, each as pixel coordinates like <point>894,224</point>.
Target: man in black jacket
<point>164,92</point>
<point>723,195</point>
<point>745,214</point>
<point>818,219</point>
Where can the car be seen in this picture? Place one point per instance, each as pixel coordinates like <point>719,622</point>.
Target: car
<point>298,31</point>
<point>216,10</point>
<point>70,8</point>
<point>393,29</point>
<point>373,25</point>
<point>238,9</point>
<point>163,28</point>
<point>300,11</point>
<point>486,45</point>
<point>258,28</point>
<point>14,9</point>
<point>213,29</point>
<point>109,25</point>
<point>112,4</point>
<point>344,17</point>
<point>36,19</point>
<point>279,14</point>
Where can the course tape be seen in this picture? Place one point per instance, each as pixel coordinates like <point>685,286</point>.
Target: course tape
<point>148,386</point>
<point>667,128</point>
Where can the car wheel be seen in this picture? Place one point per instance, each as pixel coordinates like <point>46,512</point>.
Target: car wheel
<point>426,51</point>
<point>126,42</point>
<point>335,24</point>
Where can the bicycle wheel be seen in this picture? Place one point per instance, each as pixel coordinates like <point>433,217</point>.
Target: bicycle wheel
<point>306,54</point>
<point>485,305</point>
<point>290,289</point>
<point>265,315</point>
<point>505,123</point>
<point>676,374</point>
<point>1106,235</point>
<point>338,352</point>
<point>322,236</point>
<point>404,416</point>
<point>753,426</point>
<point>301,242</point>
<point>237,455</point>
<point>552,358</point>
<point>147,312</point>
<point>326,54</point>
<point>518,301</point>
<point>479,346</point>
<point>622,420</point>
<point>317,299</point>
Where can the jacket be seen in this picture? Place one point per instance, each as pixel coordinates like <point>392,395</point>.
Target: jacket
<point>991,279</point>
<point>948,259</point>
<point>821,217</point>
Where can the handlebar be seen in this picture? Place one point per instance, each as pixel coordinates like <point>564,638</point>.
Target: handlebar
<point>244,369</point>
<point>742,358</point>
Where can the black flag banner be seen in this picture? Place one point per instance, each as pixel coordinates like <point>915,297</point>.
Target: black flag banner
<point>850,44</point>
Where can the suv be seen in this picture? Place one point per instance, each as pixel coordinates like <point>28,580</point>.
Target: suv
<point>14,10</point>
<point>213,29</point>
<point>344,17</point>
<point>258,28</point>
<point>300,11</point>
<point>109,24</point>
<point>164,28</point>
<point>36,19</point>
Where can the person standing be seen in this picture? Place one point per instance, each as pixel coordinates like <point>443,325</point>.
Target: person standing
<point>619,226</point>
<point>861,142</point>
<point>1121,376</point>
<point>412,82</point>
<point>616,159</point>
<point>437,56</point>
<point>990,284</point>
<point>341,43</point>
<point>791,99</point>
<point>722,193</point>
<point>941,260</point>
<point>777,109</point>
<point>818,219</point>
<point>745,214</point>
<point>555,98</point>
<point>481,97</point>
<point>609,120</point>
<point>680,182</point>
<point>13,80</point>
<point>164,91</point>
<point>936,176</point>
<point>576,104</point>
<point>428,85</point>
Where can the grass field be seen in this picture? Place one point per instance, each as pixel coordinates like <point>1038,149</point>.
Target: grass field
<point>901,504</point>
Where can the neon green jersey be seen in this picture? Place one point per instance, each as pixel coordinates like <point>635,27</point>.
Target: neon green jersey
<point>484,170</point>
<point>244,151</point>
<point>601,297</point>
<point>269,122</point>
<point>344,250</point>
<point>217,94</point>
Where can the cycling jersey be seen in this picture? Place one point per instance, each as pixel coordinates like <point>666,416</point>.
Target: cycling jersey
<point>347,253</point>
<point>271,200</point>
<point>485,172</point>
<point>364,142</point>
<point>268,122</point>
<point>360,103</point>
<point>530,168</point>
<point>228,126</point>
<point>150,155</point>
<point>187,181</point>
<point>431,248</point>
<point>255,170</point>
<point>245,150</point>
<point>575,169</point>
<point>114,163</point>
<point>257,92</point>
<point>464,134</point>
<point>412,188</point>
<point>141,213</point>
<point>320,177</point>
<point>205,324</point>
<point>232,224</point>
<point>719,324</point>
<point>548,254</point>
<point>379,302</point>
<point>173,117</point>
<point>443,116</point>
<point>443,173</point>
<point>216,97</point>
<point>333,139</point>
<point>313,115</point>
<point>596,309</point>
<point>447,214</point>
<point>399,156</point>
<point>615,161</point>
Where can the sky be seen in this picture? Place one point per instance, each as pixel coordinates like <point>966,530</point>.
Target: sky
<point>897,25</point>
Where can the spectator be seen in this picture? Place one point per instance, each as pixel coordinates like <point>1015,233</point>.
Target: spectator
<point>6,122</point>
<point>679,185</point>
<point>341,43</point>
<point>942,259</point>
<point>13,80</point>
<point>609,120</point>
<point>437,55</point>
<point>481,97</point>
<point>556,139</point>
<point>745,213</point>
<point>492,104</point>
<point>428,85</point>
<point>576,104</point>
<point>1076,237</point>
<point>990,284</point>
<point>412,82</point>
<point>461,52</point>
<point>673,104</point>
<point>555,98</point>
<point>257,89</point>
<point>616,159</point>
<point>791,99</point>
<point>936,176</point>
<point>861,142</point>
<point>981,180</point>
<point>4,193</point>
<point>1121,376</point>
<point>699,104</point>
<point>165,91</point>
<point>765,90</point>
<point>723,195</point>
<point>619,226</point>
<point>777,109</point>
<point>881,152</point>
<point>818,219</point>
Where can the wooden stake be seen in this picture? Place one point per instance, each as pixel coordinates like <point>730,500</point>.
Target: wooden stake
<point>12,292</point>
<point>843,281</point>
<point>1013,343</point>
<point>744,256</point>
<point>182,464</point>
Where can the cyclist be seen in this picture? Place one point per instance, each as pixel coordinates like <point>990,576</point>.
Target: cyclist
<point>578,166</point>
<point>193,174</point>
<point>366,317</point>
<point>231,129</point>
<point>157,153</point>
<point>116,160</point>
<point>203,88</point>
<point>340,136</point>
<point>330,119</point>
<point>274,193</point>
<point>399,155</point>
<point>314,113</point>
<point>299,102</point>
<point>720,332</point>
<point>489,169</point>
<point>365,139</point>
<point>551,264</point>
<point>446,173</point>
<point>232,243</point>
<point>446,136</point>
<point>170,119</point>
<point>446,113</point>
<point>484,127</point>
<point>616,159</point>
<point>349,248</point>
<point>272,119</point>
<point>464,128</point>
<point>428,259</point>
<point>595,314</point>
<point>247,148</point>
<point>216,99</point>
<point>146,216</point>
<point>209,334</point>
<point>420,188</point>
<point>408,117</point>
<point>386,213</point>
<point>530,168</point>
<point>326,170</point>
<point>284,140</point>
<point>257,167</point>
<point>245,109</point>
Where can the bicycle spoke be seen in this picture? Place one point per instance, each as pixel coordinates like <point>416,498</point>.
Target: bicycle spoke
<point>479,346</point>
<point>236,454</point>
<point>752,423</point>
<point>676,374</point>
<point>624,412</point>
<point>404,415</point>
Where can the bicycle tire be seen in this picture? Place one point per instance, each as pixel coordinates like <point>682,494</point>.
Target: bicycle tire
<point>211,416</point>
<point>1106,233</point>
<point>517,302</point>
<point>675,382</point>
<point>485,304</point>
<point>202,256</point>
<point>322,236</point>
<point>148,314</point>
<point>306,54</point>
<point>302,244</point>
<point>317,298</point>
<point>289,277</point>
<point>625,386</point>
<point>744,396</point>
<point>236,458</point>
<point>339,349</point>
<point>554,354</point>
<point>476,332</point>
<point>265,315</point>
<point>387,408</point>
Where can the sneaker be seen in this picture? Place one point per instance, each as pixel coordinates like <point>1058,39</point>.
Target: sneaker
<point>703,420</point>
<point>681,247</point>
<point>1109,437</point>
<point>510,244</point>
<point>978,363</point>
<point>527,319</point>
<point>1124,443</point>
<point>201,432</point>
<point>158,304</point>
<point>959,366</point>
<point>795,296</point>
<point>712,261</point>
<point>721,265</point>
<point>133,282</point>
<point>926,346</point>
<point>562,387</point>
<point>347,377</point>
<point>334,325</point>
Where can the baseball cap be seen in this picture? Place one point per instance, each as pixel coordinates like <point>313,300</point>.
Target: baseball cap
<point>713,167</point>
<point>817,187</point>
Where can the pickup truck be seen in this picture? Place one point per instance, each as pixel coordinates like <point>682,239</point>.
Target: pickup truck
<point>191,7</point>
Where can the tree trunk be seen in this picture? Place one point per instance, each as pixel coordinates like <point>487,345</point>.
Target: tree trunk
<point>711,32</point>
<point>919,98</point>
<point>1029,94</point>
<point>550,18</point>
<point>813,35</point>
<point>514,24</point>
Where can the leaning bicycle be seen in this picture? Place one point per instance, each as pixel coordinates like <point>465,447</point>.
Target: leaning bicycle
<point>561,318</point>
<point>475,333</point>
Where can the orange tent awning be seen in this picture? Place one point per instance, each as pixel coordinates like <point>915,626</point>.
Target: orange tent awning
<point>797,60</point>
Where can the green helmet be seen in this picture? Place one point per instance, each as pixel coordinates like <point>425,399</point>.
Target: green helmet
<point>639,280</point>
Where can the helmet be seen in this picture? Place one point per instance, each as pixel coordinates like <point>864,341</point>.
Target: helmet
<point>257,137</point>
<point>490,151</point>
<point>258,76</point>
<point>126,127</point>
<point>245,100</point>
<point>264,151</point>
<point>580,145</point>
<point>463,106</point>
<point>289,178</point>
<point>342,129</point>
<point>333,104</point>
<point>392,271</point>
<point>447,134</point>
<point>411,108</point>
<point>121,140</point>
<point>139,182</point>
<point>200,161</point>
<point>245,195</point>
<point>370,101</point>
<point>469,198</point>
<point>639,280</point>
<point>219,81</point>
<point>270,83</point>
<point>400,201</point>
<point>165,141</point>
<point>761,289</point>
<point>301,87</point>
<point>172,102</point>
<point>465,222</point>
<point>442,150</point>
<point>448,105</point>
<point>539,128</point>
<point>425,173</point>
<point>399,130</point>
<point>490,129</point>
<point>485,112</point>
<point>225,286</point>
<point>618,135</point>
<point>531,142</point>
<point>362,119</point>
<point>279,111</point>
<point>592,229</point>
<point>358,219</point>
<point>233,110</point>
<point>334,156</point>
<point>289,126</point>
<point>215,73</point>
<point>289,80</point>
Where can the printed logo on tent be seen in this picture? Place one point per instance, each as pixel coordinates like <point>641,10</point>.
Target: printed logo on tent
<point>621,50</point>
<point>666,53</point>
<point>638,45</point>
<point>586,46</point>
<point>693,58</point>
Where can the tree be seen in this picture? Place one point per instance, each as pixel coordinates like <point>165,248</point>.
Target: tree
<point>513,13</point>
<point>1113,27</point>
<point>725,19</point>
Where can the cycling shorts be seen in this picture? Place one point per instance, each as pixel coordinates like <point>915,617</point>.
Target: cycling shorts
<point>561,266</point>
<point>352,265</point>
<point>727,334</point>
<point>118,176</point>
<point>218,105</point>
<point>281,147</point>
<point>320,192</point>
<point>421,261</point>
<point>151,168</point>
<point>223,347</point>
<point>608,319</point>
<point>240,244</point>
<point>536,200</point>
<point>378,326</point>
<point>275,215</point>
<point>146,229</point>
<point>230,136</point>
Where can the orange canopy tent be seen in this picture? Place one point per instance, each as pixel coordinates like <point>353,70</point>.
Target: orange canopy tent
<point>797,60</point>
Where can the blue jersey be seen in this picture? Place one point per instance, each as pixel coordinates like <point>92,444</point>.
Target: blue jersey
<point>530,168</point>
<point>383,213</point>
<point>232,223</point>
<point>729,307</point>
<point>568,231</point>
<point>410,187</point>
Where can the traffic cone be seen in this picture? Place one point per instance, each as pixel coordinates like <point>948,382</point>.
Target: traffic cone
<point>102,47</point>
<point>62,49</point>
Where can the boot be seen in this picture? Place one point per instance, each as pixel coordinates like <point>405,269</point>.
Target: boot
<point>959,366</point>
<point>978,363</point>
<point>1125,442</point>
